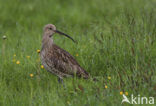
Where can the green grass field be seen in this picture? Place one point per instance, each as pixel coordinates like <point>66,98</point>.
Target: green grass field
<point>116,44</point>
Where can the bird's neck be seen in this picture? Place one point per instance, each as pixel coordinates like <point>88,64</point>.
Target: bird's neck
<point>47,42</point>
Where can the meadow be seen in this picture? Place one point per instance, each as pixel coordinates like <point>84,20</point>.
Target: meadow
<point>116,45</point>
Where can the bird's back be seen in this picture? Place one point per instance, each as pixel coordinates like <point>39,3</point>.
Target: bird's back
<point>61,63</point>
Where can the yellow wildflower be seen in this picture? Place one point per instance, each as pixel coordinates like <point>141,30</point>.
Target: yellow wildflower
<point>109,78</point>
<point>18,62</point>
<point>42,66</point>
<point>126,93</point>
<point>14,55</point>
<point>38,51</point>
<point>28,57</point>
<point>77,54</point>
<point>106,86</point>
<point>121,93</point>
<point>31,75</point>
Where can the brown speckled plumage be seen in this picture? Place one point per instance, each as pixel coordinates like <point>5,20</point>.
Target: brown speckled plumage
<point>56,60</point>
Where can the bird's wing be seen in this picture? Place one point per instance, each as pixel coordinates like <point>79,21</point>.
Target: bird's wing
<point>66,63</point>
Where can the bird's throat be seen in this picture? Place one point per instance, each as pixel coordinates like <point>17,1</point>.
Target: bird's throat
<point>47,42</point>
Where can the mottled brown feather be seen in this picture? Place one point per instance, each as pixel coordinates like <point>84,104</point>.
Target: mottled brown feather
<point>70,64</point>
<point>63,62</point>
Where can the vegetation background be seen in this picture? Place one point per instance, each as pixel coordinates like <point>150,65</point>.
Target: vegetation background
<point>116,44</point>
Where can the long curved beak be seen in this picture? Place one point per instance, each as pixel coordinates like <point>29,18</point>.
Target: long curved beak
<point>61,33</point>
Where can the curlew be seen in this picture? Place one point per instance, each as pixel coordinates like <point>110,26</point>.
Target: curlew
<point>55,59</point>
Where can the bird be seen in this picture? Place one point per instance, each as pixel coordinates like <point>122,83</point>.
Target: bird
<point>56,60</point>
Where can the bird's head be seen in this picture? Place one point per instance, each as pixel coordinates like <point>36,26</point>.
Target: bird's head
<point>50,29</point>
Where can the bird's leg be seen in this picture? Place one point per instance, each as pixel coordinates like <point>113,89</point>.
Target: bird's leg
<point>60,80</point>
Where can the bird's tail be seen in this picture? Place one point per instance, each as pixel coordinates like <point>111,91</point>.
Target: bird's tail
<point>88,76</point>
<point>84,74</point>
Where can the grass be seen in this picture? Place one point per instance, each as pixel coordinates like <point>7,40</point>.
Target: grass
<point>116,38</point>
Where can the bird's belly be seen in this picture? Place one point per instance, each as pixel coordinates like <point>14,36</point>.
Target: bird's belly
<point>50,68</point>
<point>55,71</point>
